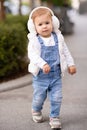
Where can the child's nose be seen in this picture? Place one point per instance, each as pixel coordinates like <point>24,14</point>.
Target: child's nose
<point>44,25</point>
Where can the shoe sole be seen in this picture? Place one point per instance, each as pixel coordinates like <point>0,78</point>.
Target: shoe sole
<point>55,128</point>
<point>38,121</point>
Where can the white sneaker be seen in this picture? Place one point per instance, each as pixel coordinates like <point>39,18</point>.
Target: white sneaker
<point>37,117</point>
<point>55,123</point>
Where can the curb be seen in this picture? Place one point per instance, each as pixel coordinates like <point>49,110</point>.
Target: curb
<point>16,83</point>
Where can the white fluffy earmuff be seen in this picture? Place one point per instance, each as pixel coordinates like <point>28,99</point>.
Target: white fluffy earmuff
<point>55,21</point>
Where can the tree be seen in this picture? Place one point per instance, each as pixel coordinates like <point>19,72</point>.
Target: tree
<point>32,3</point>
<point>20,3</point>
<point>58,2</point>
<point>2,10</point>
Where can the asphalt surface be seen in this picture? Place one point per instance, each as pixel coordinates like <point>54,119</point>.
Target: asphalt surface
<point>16,95</point>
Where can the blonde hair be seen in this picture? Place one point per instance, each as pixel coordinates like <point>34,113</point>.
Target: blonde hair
<point>39,12</point>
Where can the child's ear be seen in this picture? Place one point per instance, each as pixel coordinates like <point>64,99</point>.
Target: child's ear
<point>31,26</point>
<point>56,23</point>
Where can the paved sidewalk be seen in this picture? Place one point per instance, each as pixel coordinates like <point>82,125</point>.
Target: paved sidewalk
<point>16,83</point>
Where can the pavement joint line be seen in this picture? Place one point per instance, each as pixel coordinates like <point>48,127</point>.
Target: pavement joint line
<point>16,83</point>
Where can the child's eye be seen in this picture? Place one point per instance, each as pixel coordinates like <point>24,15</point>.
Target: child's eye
<point>40,24</point>
<point>47,22</point>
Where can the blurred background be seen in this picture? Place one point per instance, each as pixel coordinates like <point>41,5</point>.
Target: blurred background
<point>13,30</point>
<point>15,105</point>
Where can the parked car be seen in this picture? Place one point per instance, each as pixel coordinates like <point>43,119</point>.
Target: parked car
<point>66,23</point>
<point>83,7</point>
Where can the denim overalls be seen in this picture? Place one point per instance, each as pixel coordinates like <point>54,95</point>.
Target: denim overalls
<point>50,83</point>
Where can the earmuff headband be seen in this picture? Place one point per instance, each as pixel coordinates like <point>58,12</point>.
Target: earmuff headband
<point>42,7</point>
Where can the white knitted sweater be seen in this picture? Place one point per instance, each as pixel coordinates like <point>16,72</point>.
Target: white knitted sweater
<point>34,51</point>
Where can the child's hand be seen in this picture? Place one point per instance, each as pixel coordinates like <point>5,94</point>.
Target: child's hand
<point>72,69</point>
<point>46,68</point>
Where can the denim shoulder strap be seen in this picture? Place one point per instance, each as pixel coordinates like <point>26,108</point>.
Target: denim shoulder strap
<point>55,37</point>
<point>40,39</point>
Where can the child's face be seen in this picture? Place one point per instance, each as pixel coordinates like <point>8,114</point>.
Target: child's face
<point>43,25</point>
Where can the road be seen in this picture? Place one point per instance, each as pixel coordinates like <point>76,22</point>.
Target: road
<point>15,105</point>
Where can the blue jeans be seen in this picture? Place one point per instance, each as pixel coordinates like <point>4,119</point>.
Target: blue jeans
<point>50,84</point>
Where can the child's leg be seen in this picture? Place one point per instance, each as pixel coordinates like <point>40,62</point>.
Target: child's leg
<point>55,95</point>
<point>39,97</point>
<point>39,94</point>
